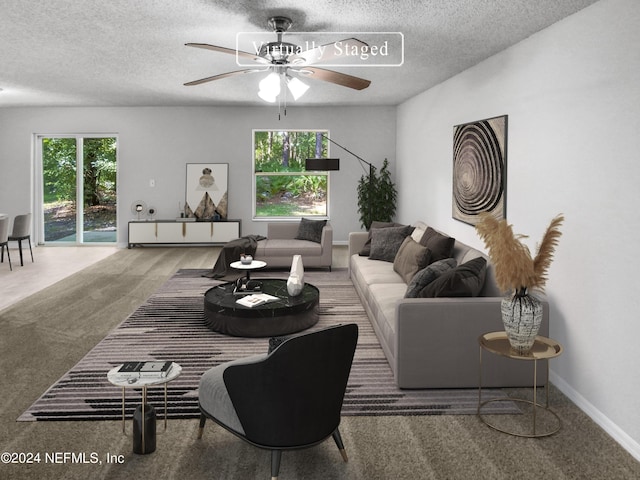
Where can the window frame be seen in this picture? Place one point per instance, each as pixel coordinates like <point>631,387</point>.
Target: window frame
<point>255,174</point>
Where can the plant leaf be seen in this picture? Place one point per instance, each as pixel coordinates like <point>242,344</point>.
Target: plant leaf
<point>546,249</point>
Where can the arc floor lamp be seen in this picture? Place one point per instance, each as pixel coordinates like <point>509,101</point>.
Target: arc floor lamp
<point>332,164</point>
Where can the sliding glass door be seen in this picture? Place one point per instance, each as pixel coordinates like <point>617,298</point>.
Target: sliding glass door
<point>79,196</point>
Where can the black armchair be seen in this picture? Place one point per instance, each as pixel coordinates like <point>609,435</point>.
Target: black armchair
<point>288,399</point>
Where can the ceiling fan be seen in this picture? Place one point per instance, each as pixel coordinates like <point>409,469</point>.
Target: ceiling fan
<point>282,59</point>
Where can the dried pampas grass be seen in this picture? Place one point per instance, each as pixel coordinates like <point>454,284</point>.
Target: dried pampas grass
<point>515,269</point>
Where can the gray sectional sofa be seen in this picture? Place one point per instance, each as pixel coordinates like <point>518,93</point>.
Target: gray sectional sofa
<point>433,342</point>
<point>281,244</point>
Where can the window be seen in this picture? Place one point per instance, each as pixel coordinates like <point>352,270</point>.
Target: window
<point>282,188</point>
<point>77,199</point>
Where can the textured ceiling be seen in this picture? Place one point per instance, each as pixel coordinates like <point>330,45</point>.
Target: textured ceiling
<point>131,52</point>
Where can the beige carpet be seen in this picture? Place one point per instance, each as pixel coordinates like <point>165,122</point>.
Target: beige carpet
<point>46,334</point>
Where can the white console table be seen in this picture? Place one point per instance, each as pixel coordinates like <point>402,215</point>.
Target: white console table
<point>177,232</point>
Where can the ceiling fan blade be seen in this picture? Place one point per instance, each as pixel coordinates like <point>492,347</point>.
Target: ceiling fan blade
<point>338,78</point>
<point>327,52</point>
<point>222,75</point>
<point>230,51</point>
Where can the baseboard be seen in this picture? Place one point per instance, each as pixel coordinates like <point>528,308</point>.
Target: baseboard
<point>619,435</point>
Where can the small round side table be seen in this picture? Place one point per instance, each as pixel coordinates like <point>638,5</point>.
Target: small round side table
<point>143,383</point>
<point>254,265</point>
<point>543,349</point>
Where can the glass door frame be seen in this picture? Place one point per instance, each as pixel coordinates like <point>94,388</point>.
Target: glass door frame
<point>39,187</point>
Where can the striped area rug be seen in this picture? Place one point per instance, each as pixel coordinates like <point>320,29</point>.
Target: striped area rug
<point>169,326</point>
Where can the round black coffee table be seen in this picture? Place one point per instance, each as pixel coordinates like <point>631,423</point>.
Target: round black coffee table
<point>279,317</point>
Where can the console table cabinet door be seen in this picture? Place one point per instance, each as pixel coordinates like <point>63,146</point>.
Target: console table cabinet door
<point>182,232</point>
<point>172,232</point>
<point>143,232</point>
<point>224,232</point>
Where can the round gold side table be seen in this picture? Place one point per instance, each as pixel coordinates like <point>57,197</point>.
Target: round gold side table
<point>543,349</point>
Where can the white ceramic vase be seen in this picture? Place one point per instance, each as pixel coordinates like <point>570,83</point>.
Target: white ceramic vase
<point>295,283</point>
<point>521,316</point>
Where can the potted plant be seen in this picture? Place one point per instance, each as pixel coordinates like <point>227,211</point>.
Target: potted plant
<point>376,196</point>
<point>518,273</point>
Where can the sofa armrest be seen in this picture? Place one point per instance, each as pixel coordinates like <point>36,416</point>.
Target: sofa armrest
<point>458,322</point>
<point>356,242</point>
<point>326,240</point>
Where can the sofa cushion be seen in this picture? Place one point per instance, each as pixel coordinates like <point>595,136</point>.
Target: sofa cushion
<point>310,230</point>
<point>383,304</point>
<point>385,242</point>
<point>366,249</point>
<point>369,272</point>
<point>411,258</point>
<point>466,280</point>
<point>280,247</point>
<point>440,245</point>
<point>428,275</point>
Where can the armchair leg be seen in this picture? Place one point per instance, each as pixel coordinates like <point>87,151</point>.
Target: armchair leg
<point>20,250</point>
<point>8,255</point>
<point>276,455</point>
<point>30,249</point>
<point>203,419</point>
<point>338,439</point>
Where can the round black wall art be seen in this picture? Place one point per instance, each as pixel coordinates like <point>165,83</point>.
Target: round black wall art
<point>480,169</point>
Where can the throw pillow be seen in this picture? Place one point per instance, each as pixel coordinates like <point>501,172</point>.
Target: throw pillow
<point>385,242</point>
<point>440,245</point>
<point>410,258</point>
<point>427,275</point>
<point>366,249</point>
<point>466,280</point>
<point>310,230</point>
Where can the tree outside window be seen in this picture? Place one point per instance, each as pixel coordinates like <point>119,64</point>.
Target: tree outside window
<point>282,188</point>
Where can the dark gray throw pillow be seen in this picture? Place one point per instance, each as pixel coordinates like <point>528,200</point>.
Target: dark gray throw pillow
<point>366,249</point>
<point>310,230</point>
<point>441,246</point>
<point>466,280</point>
<point>427,275</point>
<point>385,242</point>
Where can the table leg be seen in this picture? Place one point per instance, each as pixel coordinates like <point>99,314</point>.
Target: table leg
<point>535,393</point>
<point>124,425</point>
<point>546,385</point>
<point>480,382</point>
<point>165,406</point>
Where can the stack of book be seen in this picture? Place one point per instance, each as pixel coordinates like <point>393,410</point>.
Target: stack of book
<point>144,369</point>
<point>256,299</point>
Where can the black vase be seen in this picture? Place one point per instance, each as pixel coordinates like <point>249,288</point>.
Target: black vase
<point>149,444</point>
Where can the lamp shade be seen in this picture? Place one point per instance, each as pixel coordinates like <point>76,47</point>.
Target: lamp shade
<point>270,87</point>
<point>296,87</point>
<point>322,164</point>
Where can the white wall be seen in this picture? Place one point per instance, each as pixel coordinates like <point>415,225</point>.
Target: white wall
<point>572,93</point>
<point>156,143</point>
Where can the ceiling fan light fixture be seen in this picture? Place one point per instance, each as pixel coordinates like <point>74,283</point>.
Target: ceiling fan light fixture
<point>270,85</point>
<point>296,87</point>
<point>267,97</point>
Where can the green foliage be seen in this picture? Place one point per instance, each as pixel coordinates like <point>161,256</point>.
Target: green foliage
<point>99,167</point>
<point>377,196</point>
<point>59,168</point>
<point>281,156</point>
